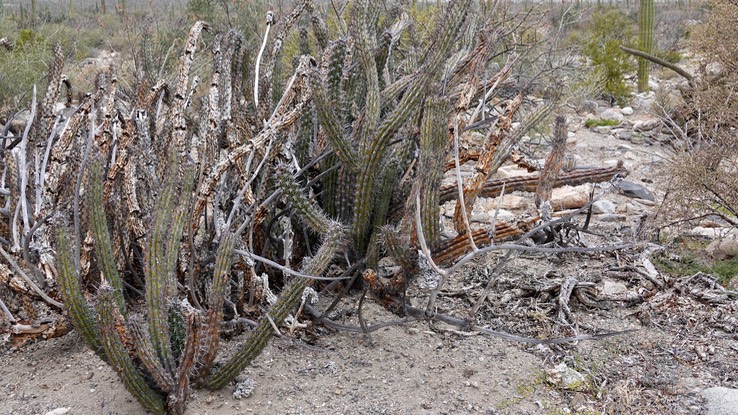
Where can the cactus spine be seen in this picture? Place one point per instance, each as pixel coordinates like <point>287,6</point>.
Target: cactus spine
<point>645,41</point>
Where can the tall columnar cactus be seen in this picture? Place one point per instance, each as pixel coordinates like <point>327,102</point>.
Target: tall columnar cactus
<point>645,41</point>
<point>433,136</point>
<point>374,145</point>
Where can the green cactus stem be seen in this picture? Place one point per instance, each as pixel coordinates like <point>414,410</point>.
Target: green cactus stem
<point>133,378</point>
<point>645,41</point>
<point>102,244</point>
<point>79,312</point>
<point>433,137</point>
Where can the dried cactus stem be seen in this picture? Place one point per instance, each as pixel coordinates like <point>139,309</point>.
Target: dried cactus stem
<point>118,356</point>
<point>553,163</point>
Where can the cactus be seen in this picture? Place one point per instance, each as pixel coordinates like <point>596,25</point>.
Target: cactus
<point>554,161</point>
<point>374,146</point>
<point>292,293</point>
<point>645,41</point>
<point>133,378</point>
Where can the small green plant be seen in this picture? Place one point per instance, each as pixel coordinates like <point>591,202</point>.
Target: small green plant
<point>690,259</point>
<point>597,122</point>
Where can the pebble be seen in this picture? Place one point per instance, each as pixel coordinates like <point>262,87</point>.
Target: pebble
<point>627,111</point>
<point>603,206</point>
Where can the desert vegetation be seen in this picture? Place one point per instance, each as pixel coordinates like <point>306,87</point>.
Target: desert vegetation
<point>175,175</point>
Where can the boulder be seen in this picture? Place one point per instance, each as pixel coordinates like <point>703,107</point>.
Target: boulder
<point>634,190</point>
<point>612,114</point>
<point>725,247</point>
<point>568,197</point>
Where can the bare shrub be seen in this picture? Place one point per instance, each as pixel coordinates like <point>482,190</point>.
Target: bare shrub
<point>704,169</point>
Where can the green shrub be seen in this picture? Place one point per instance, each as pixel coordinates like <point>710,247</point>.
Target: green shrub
<point>595,122</point>
<point>610,29</point>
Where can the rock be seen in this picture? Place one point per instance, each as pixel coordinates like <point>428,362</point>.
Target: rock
<point>568,197</point>
<point>244,388</point>
<point>59,411</point>
<point>612,114</point>
<point>721,401</point>
<point>708,232</point>
<point>634,190</point>
<point>625,135</point>
<point>653,85</point>
<point>588,106</point>
<point>724,248</point>
<point>512,171</point>
<point>567,378</point>
<point>637,139</point>
<point>489,216</point>
<point>602,129</point>
<point>509,202</point>
<point>611,163</point>
<point>627,111</point>
<point>646,125</point>
<point>603,206</point>
<point>625,147</point>
<point>611,217</point>
<point>613,288</point>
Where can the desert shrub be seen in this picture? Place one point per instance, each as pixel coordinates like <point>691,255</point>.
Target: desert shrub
<point>703,174</point>
<point>609,29</point>
<point>22,67</point>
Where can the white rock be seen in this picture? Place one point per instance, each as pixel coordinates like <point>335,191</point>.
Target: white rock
<point>512,171</point>
<point>603,206</point>
<point>721,401</point>
<point>508,202</point>
<point>59,411</point>
<point>652,84</point>
<point>567,378</point>
<point>705,232</point>
<point>612,114</point>
<point>613,288</point>
<point>627,111</point>
<point>724,248</point>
